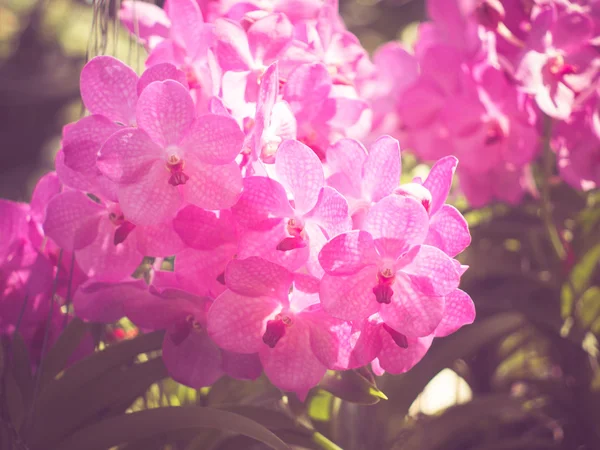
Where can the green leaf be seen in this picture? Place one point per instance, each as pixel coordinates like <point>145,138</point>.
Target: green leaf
<point>95,365</point>
<point>458,424</point>
<point>404,389</point>
<point>58,356</point>
<point>145,424</point>
<point>320,405</point>
<point>101,398</point>
<point>352,387</point>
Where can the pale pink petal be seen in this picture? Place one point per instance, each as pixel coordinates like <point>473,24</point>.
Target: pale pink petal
<point>241,366</point>
<point>395,359</point>
<point>161,72</point>
<point>556,100</point>
<point>104,302</point>
<point>449,231</point>
<point>161,310</point>
<point>165,111</point>
<point>350,297</point>
<point>82,142</point>
<point>264,243</point>
<point>459,311</point>
<point>108,87</point>
<point>105,261</point>
<point>262,198</point>
<point>348,253</point>
<point>439,181</point>
<point>365,342</point>
<point>306,89</point>
<point>188,27</point>
<point>376,368</point>
<point>212,187</point>
<point>127,156</point>
<point>267,92</point>
<point>291,365</point>
<point>397,222</point>
<point>193,362</point>
<point>158,240</point>
<point>203,272</point>
<point>430,270</point>
<point>146,19</point>
<point>151,200</point>
<point>268,36</point>
<point>345,160</point>
<point>301,172</point>
<point>237,323</point>
<point>72,220</point>
<point>232,50</point>
<point>345,112</point>
<point>316,240</point>
<point>382,169</point>
<point>98,183</point>
<point>202,229</point>
<point>255,277</point>
<point>330,338</point>
<point>213,139</point>
<point>331,212</point>
<point>46,188</point>
<point>411,312</point>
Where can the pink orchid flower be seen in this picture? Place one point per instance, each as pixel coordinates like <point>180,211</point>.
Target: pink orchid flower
<point>290,234</point>
<point>323,114</point>
<point>257,314</point>
<point>212,242</point>
<point>172,156</point>
<point>110,88</point>
<point>558,61</point>
<point>387,269</point>
<point>364,177</point>
<point>448,229</point>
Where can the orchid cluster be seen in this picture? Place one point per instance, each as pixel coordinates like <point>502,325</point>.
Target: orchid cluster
<point>486,79</point>
<point>223,196</point>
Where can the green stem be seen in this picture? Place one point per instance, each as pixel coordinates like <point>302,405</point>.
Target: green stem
<point>546,205</point>
<point>325,443</point>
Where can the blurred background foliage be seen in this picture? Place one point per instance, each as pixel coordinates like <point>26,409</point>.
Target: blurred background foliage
<point>524,376</point>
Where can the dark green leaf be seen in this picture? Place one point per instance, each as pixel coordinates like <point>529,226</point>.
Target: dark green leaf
<point>95,401</point>
<point>58,356</point>
<point>152,422</point>
<point>459,423</point>
<point>94,366</point>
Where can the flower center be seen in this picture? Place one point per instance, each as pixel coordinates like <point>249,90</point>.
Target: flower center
<point>183,329</point>
<point>295,229</point>
<point>383,290</point>
<point>175,165</point>
<point>494,134</point>
<point>276,329</point>
<point>557,67</point>
<point>123,227</point>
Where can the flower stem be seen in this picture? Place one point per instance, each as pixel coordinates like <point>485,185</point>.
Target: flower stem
<point>546,205</point>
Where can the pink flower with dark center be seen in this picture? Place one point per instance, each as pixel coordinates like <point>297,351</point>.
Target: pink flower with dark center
<point>324,112</point>
<point>364,177</point>
<point>258,314</point>
<point>290,232</point>
<point>387,269</point>
<point>448,229</point>
<point>172,156</point>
